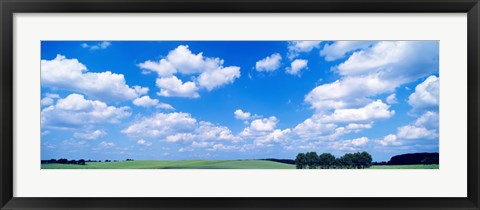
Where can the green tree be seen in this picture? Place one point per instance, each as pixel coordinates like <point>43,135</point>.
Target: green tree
<point>301,161</point>
<point>366,159</point>
<point>326,160</point>
<point>430,160</point>
<point>361,160</point>
<point>312,159</point>
<point>346,161</point>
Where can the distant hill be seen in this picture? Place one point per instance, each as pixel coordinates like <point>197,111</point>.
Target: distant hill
<point>414,158</point>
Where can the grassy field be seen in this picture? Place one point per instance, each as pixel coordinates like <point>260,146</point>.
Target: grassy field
<point>181,164</point>
<point>434,166</point>
<point>203,164</point>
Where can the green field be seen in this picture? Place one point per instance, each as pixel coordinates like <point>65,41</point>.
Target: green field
<point>433,166</point>
<point>181,164</point>
<point>203,164</point>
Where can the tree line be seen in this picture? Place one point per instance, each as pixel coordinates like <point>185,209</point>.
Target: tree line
<point>311,160</point>
<point>77,162</point>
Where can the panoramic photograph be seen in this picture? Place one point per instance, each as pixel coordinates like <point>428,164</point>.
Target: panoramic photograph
<point>304,104</point>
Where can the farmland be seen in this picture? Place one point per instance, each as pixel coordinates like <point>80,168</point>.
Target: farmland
<point>180,164</point>
<point>419,166</point>
<point>204,164</point>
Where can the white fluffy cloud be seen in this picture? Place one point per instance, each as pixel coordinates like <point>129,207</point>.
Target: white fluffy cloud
<point>90,135</point>
<point>339,49</point>
<point>426,94</point>
<point>391,99</point>
<point>163,67</point>
<point>218,77</point>
<point>375,70</point>
<point>414,132</point>
<point>98,46</point>
<point>140,90</point>
<point>161,125</point>
<point>145,101</point>
<point>270,63</point>
<point>263,132</point>
<point>296,66</point>
<point>359,126</point>
<point>429,120</point>
<point>239,114</point>
<point>372,111</point>
<point>349,145</point>
<point>181,60</point>
<point>165,106</point>
<point>70,74</point>
<point>174,87</point>
<point>75,110</point>
<point>209,131</point>
<point>426,126</point>
<point>389,140</point>
<point>49,99</point>
<point>324,126</point>
<point>297,47</point>
<point>348,92</point>
<point>144,143</point>
<point>179,127</point>
<point>265,124</point>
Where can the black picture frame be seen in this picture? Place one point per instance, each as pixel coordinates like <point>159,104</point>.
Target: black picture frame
<point>10,7</point>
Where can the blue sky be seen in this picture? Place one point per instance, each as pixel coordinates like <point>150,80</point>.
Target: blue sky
<point>177,100</point>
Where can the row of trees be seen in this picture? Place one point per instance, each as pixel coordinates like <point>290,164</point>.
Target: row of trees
<point>326,160</point>
<point>77,162</point>
<point>65,161</point>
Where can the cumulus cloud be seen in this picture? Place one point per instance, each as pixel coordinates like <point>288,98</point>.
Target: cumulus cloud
<point>218,77</point>
<point>145,101</point>
<point>426,94</point>
<point>49,99</point>
<point>90,135</point>
<point>263,132</point>
<point>140,90</point>
<point>297,47</point>
<point>161,125</point>
<point>270,63</point>
<point>414,132</point>
<point>75,110</point>
<point>265,124</point>
<point>163,67</point>
<point>325,126</point>
<point>212,73</point>
<point>339,49</point>
<point>349,145</point>
<point>174,87</point>
<point>97,46</point>
<point>425,126</point>
<point>144,143</point>
<point>389,140</point>
<point>70,74</point>
<point>359,126</point>
<point>179,127</point>
<point>239,114</point>
<point>377,69</point>
<point>178,137</point>
<point>372,111</point>
<point>296,66</point>
<point>391,99</point>
<point>429,119</point>
<point>165,106</point>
